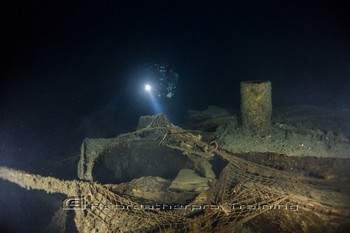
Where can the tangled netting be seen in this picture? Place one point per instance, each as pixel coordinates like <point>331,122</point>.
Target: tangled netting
<point>242,191</point>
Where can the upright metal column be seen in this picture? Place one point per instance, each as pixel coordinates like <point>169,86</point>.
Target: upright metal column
<point>256,106</point>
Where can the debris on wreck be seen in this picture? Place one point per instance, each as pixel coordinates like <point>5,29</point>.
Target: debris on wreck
<point>241,194</point>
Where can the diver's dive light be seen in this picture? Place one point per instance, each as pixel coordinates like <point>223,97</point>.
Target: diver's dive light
<point>148,88</point>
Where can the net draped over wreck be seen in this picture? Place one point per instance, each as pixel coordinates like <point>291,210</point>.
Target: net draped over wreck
<point>239,193</point>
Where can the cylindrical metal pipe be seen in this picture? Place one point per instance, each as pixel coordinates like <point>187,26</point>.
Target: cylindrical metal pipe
<point>256,106</point>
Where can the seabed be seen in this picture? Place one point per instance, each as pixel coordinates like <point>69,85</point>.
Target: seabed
<point>210,176</point>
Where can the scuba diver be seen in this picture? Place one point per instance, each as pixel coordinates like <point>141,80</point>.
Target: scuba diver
<point>164,79</point>
<point>160,84</point>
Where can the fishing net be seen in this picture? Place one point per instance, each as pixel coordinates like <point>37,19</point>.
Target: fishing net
<point>240,195</point>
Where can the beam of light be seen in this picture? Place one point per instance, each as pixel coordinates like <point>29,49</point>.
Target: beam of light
<point>156,106</point>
